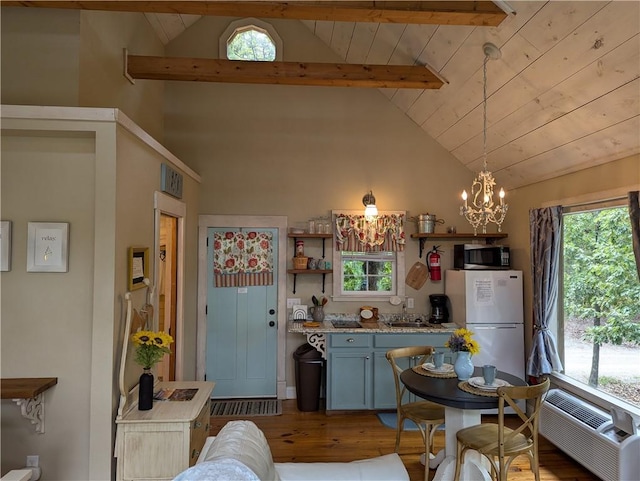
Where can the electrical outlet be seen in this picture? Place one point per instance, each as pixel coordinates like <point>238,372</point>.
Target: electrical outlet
<point>33,461</point>
<point>292,302</point>
<point>409,302</point>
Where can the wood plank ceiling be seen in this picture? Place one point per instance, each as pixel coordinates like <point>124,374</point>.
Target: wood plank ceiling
<point>564,96</point>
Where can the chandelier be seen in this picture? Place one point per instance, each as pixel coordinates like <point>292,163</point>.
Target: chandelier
<point>483,209</point>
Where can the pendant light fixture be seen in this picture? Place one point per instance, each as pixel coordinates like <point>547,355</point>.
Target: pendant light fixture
<point>482,209</point>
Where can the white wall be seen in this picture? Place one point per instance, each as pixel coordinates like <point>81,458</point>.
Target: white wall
<point>40,49</point>
<point>46,317</point>
<point>74,58</point>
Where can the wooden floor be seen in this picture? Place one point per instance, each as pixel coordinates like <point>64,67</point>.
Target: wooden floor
<point>313,436</point>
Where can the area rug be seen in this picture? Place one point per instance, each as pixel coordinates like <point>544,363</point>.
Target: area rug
<point>390,420</point>
<point>246,407</point>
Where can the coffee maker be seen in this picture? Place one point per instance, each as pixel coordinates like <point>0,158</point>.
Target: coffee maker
<point>439,310</point>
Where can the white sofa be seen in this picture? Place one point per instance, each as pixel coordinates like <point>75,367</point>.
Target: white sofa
<point>240,452</point>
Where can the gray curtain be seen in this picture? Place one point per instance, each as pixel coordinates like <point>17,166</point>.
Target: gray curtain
<point>634,216</point>
<point>545,233</point>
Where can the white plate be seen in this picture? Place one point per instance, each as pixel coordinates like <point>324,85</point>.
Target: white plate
<point>366,314</point>
<point>479,383</point>
<point>429,366</point>
<point>395,300</point>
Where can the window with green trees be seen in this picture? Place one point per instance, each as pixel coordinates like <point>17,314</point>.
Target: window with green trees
<point>251,43</point>
<point>600,335</point>
<point>368,273</point>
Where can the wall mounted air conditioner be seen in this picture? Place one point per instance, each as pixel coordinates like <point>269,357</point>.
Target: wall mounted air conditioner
<point>589,436</point>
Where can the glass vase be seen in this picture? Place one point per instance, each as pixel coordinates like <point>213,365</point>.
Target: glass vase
<point>463,366</point>
<point>145,391</point>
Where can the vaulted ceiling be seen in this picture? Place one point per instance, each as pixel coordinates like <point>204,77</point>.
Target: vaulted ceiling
<point>564,96</point>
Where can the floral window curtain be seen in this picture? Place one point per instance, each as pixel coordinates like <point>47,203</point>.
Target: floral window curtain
<point>242,259</point>
<point>356,234</point>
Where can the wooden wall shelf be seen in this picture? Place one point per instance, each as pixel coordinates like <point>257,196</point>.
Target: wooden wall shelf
<point>28,393</point>
<point>324,272</point>
<point>489,238</point>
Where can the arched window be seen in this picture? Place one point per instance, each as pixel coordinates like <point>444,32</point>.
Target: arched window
<point>251,39</point>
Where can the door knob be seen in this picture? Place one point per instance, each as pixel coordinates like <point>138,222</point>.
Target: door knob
<point>271,323</point>
<point>272,311</point>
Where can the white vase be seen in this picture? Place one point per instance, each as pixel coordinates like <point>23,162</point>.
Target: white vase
<point>463,366</point>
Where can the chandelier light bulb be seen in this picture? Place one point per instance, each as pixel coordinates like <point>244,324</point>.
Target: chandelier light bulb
<point>464,195</point>
<point>501,194</point>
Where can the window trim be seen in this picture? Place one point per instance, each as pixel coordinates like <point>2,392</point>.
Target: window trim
<point>245,24</point>
<point>337,267</point>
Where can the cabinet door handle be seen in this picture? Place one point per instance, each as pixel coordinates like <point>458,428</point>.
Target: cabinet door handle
<point>195,452</point>
<point>197,425</point>
<point>351,339</point>
<point>367,357</point>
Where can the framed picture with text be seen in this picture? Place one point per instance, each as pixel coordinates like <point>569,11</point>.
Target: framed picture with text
<point>47,246</point>
<point>138,267</point>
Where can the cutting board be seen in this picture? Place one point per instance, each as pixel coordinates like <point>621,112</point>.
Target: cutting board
<point>417,275</point>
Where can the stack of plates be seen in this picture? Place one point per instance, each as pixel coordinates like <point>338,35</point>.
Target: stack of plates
<point>478,382</point>
<point>444,369</point>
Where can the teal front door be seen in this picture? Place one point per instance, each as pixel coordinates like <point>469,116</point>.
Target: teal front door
<point>242,318</point>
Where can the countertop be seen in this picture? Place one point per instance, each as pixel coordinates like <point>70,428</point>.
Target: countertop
<point>368,328</point>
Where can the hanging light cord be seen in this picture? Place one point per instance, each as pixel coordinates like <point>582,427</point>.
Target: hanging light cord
<point>484,112</point>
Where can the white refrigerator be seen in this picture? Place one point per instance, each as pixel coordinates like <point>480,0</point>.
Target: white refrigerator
<point>489,303</point>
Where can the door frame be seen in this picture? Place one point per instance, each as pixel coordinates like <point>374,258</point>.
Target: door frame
<point>278,222</point>
<point>164,204</point>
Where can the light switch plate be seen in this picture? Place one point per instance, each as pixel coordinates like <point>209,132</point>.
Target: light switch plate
<point>410,304</point>
<point>292,302</point>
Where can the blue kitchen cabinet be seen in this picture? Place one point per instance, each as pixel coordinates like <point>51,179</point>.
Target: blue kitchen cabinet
<point>358,373</point>
<point>349,371</point>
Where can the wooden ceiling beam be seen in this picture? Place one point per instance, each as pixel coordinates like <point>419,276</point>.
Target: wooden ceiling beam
<point>477,13</point>
<point>281,73</point>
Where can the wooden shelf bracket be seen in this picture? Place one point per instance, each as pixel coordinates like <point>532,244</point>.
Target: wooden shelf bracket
<point>33,410</point>
<point>28,393</point>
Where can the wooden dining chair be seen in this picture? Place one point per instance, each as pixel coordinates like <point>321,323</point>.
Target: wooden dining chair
<point>425,414</point>
<point>499,441</point>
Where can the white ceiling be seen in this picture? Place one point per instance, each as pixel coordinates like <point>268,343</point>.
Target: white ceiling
<point>564,96</point>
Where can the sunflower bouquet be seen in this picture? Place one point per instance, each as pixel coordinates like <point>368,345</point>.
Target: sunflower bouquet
<point>461,340</point>
<point>151,347</point>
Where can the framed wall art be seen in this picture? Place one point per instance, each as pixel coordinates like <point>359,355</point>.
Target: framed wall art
<point>5,245</point>
<point>138,267</point>
<point>47,246</point>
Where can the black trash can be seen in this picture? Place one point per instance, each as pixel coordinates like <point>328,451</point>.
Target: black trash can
<point>309,364</point>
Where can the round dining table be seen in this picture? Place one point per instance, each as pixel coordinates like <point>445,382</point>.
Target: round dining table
<point>462,409</point>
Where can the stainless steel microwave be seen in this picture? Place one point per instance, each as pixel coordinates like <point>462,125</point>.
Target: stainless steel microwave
<point>478,256</point>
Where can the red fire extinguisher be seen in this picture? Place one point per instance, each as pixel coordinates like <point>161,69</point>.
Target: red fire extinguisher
<point>435,273</point>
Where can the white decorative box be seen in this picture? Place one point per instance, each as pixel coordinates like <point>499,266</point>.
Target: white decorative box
<point>299,312</point>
